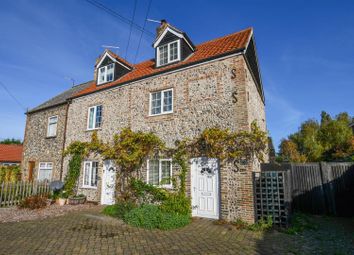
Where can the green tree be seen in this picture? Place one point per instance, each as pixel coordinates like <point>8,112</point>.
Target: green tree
<point>289,152</point>
<point>11,141</point>
<point>329,140</point>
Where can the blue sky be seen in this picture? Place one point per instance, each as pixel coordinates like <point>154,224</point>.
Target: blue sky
<point>305,49</point>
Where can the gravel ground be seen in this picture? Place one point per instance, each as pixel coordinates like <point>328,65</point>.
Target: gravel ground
<point>13,214</point>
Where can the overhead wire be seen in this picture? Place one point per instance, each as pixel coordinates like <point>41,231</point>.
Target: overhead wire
<point>142,32</point>
<point>131,28</point>
<point>12,96</point>
<point>119,16</point>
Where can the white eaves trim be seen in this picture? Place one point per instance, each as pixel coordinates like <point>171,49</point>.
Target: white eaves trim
<point>179,35</point>
<point>248,41</point>
<point>106,54</point>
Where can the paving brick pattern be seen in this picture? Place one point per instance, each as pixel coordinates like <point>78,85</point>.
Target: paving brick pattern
<point>92,233</point>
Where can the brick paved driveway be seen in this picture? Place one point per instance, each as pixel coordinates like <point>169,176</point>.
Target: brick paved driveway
<point>92,233</point>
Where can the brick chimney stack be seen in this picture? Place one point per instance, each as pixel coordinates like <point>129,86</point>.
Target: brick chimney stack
<point>161,28</point>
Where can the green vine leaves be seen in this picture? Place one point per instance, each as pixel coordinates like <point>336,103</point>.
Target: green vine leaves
<point>131,149</point>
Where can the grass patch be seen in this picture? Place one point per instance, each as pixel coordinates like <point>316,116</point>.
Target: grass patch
<point>299,223</point>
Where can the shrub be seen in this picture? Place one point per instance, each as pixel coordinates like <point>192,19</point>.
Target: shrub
<point>173,221</point>
<point>145,216</point>
<point>33,202</point>
<point>176,203</point>
<point>147,193</point>
<point>151,217</point>
<point>10,173</point>
<point>118,210</point>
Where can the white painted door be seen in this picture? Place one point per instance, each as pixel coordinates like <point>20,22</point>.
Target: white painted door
<point>205,187</point>
<point>108,183</point>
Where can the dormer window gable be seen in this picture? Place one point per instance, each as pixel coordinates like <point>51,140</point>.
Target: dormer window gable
<point>111,67</point>
<point>171,45</point>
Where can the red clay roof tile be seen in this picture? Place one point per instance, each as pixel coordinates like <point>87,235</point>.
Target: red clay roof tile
<point>10,153</point>
<point>204,51</point>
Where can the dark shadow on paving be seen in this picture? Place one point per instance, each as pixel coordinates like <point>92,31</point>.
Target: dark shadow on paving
<point>331,235</point>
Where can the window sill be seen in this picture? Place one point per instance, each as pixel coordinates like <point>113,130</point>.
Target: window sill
<point>88,187</point>
<point>164,113</point>
<point>50,137</point>
<point>103,83</point>
<point>93,129</point>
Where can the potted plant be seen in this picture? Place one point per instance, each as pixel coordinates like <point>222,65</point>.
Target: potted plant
<point>77,199</point>
<point>62,197</point>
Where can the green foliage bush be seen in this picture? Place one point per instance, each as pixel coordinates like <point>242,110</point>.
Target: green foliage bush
<point>176,203</point>
<point>119,210</point>
<point>33,202</point>
<point>151,217</point>
<point>10,173</point>
<point>141,189</point>
<point>73,174</point>
<point>173,220</point>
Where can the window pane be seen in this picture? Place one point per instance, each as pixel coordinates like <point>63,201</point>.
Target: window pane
<point>110,72</point>
<point>166,172</point>
<point>156,103</point>
<point>167,101</point>
<point>102,74</point>
<point>91,114</point>
<point>94,171</point>
<point>53,120</point>
<point>52,126</point>
<point>163,54</point>
<point>98,116</point>
<point>45,171</point>
<point>173,51</point>
<point>154,172</point>
<point>87,173</point>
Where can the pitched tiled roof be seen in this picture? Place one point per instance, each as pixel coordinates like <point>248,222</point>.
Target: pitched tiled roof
<point>211,49</point>
<point>61,98</point>
<point>122,60</point>
<point>10,153</point>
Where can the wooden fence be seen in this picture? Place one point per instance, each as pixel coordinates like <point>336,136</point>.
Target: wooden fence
<point>317,188</point>
<point>12,193</point>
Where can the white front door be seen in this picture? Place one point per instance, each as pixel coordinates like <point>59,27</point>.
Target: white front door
<point>205,187</point>
<point>108,183</point>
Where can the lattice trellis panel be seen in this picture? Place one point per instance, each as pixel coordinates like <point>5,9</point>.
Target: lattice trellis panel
<point>271,196</point>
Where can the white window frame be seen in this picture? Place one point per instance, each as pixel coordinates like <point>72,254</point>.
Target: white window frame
<point>168,53</point>
<point>168,186</point>
<point>56,126</point>
<point>99,82</point>
<point>162,100</point>
<point>94,117</point>
<point>46,167</point>
<point>90,175</point>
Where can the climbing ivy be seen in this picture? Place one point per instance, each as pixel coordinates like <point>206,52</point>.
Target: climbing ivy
<point>73,174</point>
<point>130,150</point>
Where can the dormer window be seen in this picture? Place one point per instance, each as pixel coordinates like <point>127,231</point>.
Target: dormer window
<point>110,67</point>
<point>171,45</point>
<point>106,73</point>
<point>168,53</point>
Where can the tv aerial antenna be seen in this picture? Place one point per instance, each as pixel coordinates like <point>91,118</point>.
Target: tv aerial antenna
<point>116,48</point>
